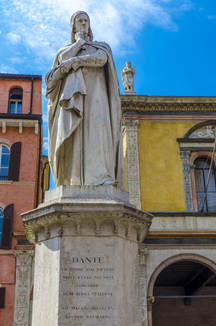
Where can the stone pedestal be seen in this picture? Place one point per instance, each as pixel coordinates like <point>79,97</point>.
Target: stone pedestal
<point>86,263</point>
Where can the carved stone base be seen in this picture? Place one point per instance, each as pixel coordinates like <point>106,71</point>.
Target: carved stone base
<point>86,263</point>
<point>129,93</point>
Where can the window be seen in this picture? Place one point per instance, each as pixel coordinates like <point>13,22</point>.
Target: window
<point>196,149</point>
<point>1,221</point>
<point>15,101</point>
<point>4,162</point>
<point>205,203</point>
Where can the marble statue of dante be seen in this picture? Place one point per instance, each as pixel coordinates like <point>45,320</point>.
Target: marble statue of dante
<point>84,110</point>
<point>128,77</point>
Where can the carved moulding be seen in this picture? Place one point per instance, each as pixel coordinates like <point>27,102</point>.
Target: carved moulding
<point>22,290</point>
<point>92,218</point>
<point>132,161</point>
<point>144,103</point>
<point>142,285</point>
<point>185,156</point>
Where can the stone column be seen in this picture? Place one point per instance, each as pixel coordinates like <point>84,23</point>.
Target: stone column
<point>23,289</point>
<point>86,263</point>
<point>185,156</point>
<point>132,161</point>
<point>142,285</point>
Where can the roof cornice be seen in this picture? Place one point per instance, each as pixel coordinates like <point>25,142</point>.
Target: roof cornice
<point>144,103</point>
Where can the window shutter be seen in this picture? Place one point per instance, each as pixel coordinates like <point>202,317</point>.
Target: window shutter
<point>14,165</point>
<point>2,298</point>
<point>7,227</point>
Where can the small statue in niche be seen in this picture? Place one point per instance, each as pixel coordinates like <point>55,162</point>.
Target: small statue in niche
<point>128,78</point>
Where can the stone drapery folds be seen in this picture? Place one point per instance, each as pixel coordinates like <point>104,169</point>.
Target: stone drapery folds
<point>84,113</point>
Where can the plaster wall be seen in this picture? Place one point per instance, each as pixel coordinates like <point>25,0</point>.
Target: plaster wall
<point>161,178</point>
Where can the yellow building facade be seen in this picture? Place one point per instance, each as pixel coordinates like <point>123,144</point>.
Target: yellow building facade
<point>168,152</point>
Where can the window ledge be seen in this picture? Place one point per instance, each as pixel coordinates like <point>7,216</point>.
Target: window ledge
<point>20,123</point>
<point>8,182</point>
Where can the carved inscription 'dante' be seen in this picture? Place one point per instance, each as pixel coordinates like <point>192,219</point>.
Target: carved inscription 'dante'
<point>87,292</point>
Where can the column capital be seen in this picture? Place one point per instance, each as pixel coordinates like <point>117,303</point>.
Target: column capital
<point>23,258</point>
<point>131,125</point>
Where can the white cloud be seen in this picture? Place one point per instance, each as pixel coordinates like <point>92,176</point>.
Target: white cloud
<point>45,118</point>
<point>7,69</point>
<point>13,38</point>
<point>44,25</point>
<point>45,145</point>
<point>187,6</point>
<point>18,60</point>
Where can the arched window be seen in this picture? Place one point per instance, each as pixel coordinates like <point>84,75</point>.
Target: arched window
<point>206,191</point>
<point>15,101</point>
<point>1,221</point>
<point>4,162</point>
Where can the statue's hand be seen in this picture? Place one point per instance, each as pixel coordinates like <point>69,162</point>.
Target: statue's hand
<point>79,36</point>
<point>66,66</point>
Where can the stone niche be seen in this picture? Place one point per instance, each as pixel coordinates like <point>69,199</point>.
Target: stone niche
<point>86,263</point>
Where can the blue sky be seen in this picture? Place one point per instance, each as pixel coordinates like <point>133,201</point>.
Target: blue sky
<point>171,43</point>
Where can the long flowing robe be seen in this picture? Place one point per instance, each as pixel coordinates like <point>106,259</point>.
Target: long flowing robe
<point>84,116</point>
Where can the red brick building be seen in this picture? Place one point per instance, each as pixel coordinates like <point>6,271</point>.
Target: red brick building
<point>20,191</point>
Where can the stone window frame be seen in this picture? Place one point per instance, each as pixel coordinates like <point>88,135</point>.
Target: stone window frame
<point>15,90</point>
<point>194,156</point>
<point>14,161</point>
<point>190,149</point>
<point>8,144</point>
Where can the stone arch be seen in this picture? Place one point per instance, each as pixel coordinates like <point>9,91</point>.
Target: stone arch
<point>199,154</point>
<point>174,259</point>
<point>198,126</point>
<point>5,142</point>
<point>2,206</point>
<point>15,86</point>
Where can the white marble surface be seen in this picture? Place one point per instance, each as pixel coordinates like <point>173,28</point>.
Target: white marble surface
<point>84,111</point>
<point>86,280</point>
<point>86,263</point>
<point>86,192</point>
<point>128,79</point>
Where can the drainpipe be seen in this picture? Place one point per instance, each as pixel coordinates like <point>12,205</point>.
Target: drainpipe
<point>31,99</point>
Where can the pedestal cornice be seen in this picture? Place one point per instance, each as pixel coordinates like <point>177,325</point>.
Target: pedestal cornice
<point>122,217</point>
<point>85,216</point>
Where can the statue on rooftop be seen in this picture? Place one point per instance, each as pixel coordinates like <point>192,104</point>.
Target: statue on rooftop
<point>128,78</point>
<point>84,110</point>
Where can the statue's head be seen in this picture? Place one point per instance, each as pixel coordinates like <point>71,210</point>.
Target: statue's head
<point>80,22</point>
<point>128,64</point>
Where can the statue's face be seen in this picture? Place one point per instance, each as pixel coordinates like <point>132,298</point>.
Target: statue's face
<point>81,24</point>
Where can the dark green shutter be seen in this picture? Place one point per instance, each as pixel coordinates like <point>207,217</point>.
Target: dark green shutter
<point>7,227</point>
<point>2,298</point>
<point>14,165</point>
